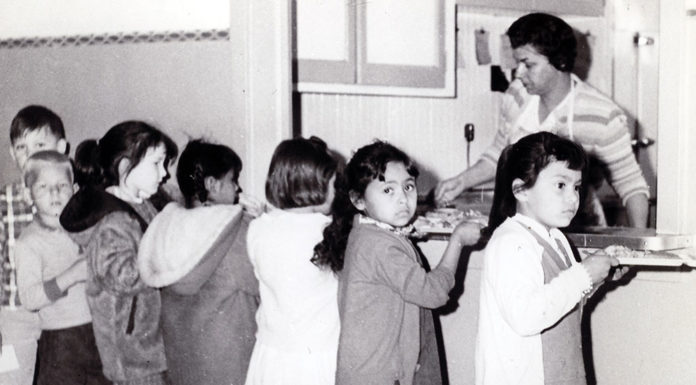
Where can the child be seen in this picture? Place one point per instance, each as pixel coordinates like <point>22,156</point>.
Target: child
<point>382,285</point>
<point>107,217</point>
<point>198,254</point>
<point>531,287</point>
<point>33,129</point>
<point>297,320</point>
<point>50,276</point>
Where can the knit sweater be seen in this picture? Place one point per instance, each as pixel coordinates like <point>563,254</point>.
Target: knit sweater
<point>598,125</point>
<point>43,254</point>
<point>381,288</point>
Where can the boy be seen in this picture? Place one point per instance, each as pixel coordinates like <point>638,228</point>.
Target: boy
<point>51,276</point>
<point>34,128</point>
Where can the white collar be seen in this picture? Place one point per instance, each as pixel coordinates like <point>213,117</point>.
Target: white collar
<point>404,231</point>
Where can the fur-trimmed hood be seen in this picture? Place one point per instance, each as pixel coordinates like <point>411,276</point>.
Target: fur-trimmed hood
<point>179,238</point>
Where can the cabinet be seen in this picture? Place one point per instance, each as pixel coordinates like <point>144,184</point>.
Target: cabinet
<point>563,7</point>
<point>393,47</point>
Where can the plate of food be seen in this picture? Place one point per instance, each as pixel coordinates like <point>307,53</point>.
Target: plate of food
<point>445,219</point>
<point>632,257</point>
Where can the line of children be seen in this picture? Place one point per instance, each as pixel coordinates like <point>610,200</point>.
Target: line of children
<point>51,274</point>
<point>343,292</point>
<point>107,218</point>
<point>197,253</point>
<point>34,128</point>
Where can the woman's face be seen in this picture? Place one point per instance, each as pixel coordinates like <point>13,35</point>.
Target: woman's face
<point>534,70</point>
<point>225,190</point>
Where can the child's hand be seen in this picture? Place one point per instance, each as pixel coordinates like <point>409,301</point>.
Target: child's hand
<point>598,265</point>
<point>466,233</point>
<point>78,271</point>
<point>251,205</point>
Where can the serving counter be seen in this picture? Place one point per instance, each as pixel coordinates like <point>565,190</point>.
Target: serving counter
<point>639,330</point>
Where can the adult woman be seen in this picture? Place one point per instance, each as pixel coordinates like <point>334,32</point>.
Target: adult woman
<point>546,96</point>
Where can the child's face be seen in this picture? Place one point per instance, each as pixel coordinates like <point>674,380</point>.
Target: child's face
<point>392,201</point>
<point>50,192</point>
<point>225,190</point>
<point>554,198</point>
<point>34,141</point>
<point>144,179</point>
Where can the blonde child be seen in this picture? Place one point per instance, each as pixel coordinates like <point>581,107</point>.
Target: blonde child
<point>297,320</point>
<point>532,289</point>
<point>382,285</point>
<point>33,129</point>
<point>197,254</point>
<point>50,277</point>
<point>107,218</point>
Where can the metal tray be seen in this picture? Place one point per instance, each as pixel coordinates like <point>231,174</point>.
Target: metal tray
<point>638,239</point>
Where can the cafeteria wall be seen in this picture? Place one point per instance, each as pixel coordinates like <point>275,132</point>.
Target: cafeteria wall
<point>185,88</point>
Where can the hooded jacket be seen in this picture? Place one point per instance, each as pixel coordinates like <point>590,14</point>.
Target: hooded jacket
<point>125,311</point>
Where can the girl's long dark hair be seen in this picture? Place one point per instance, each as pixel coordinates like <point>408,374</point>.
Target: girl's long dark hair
<point>96,162</point>
<point>525,160</point>
<point>367,164</point>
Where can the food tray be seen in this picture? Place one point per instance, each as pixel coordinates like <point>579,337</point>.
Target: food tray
<point>629,257</point>
<point>444,220</point>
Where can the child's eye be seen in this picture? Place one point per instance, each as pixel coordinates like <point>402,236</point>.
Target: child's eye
<point>388,190</point>
<point>560,185</point>
<point>410,187</point>
<point>577,188</point>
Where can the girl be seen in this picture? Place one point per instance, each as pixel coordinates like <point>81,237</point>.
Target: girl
<point>107,217</point>
<point>298,318</point>
<point>382,285</point>
<point>198,254</point>
<point>532,289</point>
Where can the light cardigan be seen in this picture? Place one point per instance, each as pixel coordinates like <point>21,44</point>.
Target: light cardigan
<point>598,125</point>
<point>516,306</point>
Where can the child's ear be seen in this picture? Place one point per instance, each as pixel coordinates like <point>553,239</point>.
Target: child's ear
<point>357,200</point>
<point>123,165</point>
<point>211,184</point>
<point>63,146</point>
<point>518,190</point>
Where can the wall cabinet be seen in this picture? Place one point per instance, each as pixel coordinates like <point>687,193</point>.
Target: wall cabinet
<point>563,7</point>
<point>394,47</point>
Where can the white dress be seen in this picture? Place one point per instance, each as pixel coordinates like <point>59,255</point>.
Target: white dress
<point>298,322</point>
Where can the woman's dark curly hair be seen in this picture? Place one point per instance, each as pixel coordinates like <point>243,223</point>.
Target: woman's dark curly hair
<point>367,164</point>
<point>549,35</point>
<point>200,160</point>
<point>524,160</point>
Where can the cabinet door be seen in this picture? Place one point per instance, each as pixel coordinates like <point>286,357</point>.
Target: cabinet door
<point>325,41</point>
<point>401,43</point>
<point>384,47</point>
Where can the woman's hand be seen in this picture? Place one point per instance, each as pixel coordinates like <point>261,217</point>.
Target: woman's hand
<point>447,190</point>
<point>598,266</point>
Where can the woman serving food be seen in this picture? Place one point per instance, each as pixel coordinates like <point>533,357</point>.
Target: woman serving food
<point>546,96</point>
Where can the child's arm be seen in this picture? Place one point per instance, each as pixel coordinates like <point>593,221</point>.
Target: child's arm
<point>35,292</point>
<point>514,280</point>
<point>465,234</point>
<point>115,265</point>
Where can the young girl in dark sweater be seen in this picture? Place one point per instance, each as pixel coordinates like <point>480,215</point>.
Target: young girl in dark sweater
<point>382,285</point>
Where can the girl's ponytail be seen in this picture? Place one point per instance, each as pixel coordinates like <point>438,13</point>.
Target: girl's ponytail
<point>88,169</point>
<point>329,252</point>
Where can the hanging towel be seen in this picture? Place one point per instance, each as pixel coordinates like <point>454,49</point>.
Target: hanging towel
<point>483,53</point>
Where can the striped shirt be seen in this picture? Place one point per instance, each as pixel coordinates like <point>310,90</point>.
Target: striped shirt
<point>598,125</point>
<point>16,213</point>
